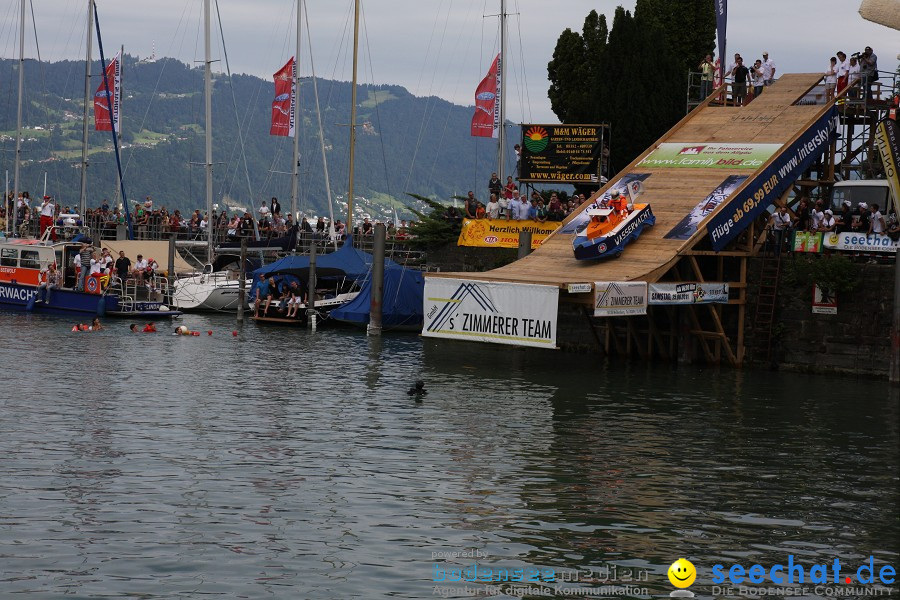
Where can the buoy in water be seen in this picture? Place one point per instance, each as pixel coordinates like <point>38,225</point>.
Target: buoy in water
<point>209,332</point>
<point>234,333</point>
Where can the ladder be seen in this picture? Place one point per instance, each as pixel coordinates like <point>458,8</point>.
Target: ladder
<point>764,319</point>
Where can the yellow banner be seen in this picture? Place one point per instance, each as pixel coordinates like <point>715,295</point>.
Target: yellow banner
<point>500,233</point>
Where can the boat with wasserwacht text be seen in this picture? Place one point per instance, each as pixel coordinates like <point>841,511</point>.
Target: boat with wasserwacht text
<point>616,223</point>
<point>26,264</point>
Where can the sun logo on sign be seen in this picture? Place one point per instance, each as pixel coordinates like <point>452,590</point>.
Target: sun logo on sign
<point>536,139</point>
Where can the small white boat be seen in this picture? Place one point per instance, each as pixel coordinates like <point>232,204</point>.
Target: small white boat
<point>217,290</point>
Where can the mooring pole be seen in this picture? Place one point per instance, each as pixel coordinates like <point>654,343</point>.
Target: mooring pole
<point>894,372</point>
<point>524,243</point>
<point>375,308</point>
<point>170,273</point>
<point>242,292</point>
<point>311,287</point>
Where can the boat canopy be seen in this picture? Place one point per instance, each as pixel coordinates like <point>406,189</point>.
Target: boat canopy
<point>403,300</point>
<point>346,261</point>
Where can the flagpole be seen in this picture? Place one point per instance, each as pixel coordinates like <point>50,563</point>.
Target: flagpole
<point>501,134</point>
<point>19,117</point>
<point>295,117</point>
<point>352,115</point>
<point>207,79</point>
<point>120,64</point>
<point>82,204</point>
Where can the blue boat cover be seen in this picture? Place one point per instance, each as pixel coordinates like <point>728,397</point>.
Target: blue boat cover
<point>403,300</point>
<point>346,261</point>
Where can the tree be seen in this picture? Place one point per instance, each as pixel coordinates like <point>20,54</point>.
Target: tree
<point>633,75</point>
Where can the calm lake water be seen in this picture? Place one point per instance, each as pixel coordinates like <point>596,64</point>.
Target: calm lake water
<point>287,464</point>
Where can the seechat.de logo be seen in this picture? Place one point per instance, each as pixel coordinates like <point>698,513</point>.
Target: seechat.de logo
<point>792,573</point>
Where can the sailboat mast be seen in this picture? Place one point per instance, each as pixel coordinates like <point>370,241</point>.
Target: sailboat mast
<point>119,103</point>
<point>82,204</point>
<point>207,92</point>
<point>19,113</point>
<point>295,173</point>
<point>352,115</point>
<point>501,67</point>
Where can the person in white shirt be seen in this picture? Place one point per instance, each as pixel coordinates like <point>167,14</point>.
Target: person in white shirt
<point>756,78</point>
<point>140,267</point>
<point>853,76</point>
<point>876,221</point>
<point>768,69</point>
<point>503,203</point>
<point>828,223</point>
<point>524,207</point>
<point>843,67</point>
<point>830,79</point>
<point>493,208</point>
<point>512,213</point>
<point>817,216</point>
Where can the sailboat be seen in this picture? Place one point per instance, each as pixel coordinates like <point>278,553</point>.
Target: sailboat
<point>26,264</point>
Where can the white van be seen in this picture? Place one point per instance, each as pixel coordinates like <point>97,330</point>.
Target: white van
<point>870,191</point>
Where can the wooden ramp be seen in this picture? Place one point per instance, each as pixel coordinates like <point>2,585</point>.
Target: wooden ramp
<point>773,117</point>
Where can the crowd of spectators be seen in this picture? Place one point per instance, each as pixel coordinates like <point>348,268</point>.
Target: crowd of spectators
<point>815,217</point>
<point>507,203</point>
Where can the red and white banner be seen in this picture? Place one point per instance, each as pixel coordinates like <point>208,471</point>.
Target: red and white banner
<point>486,120</point>
<point>102,122</point>
<point>284,104</point>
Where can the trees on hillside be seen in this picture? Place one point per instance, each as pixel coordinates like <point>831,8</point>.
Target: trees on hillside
<point>633,75</point>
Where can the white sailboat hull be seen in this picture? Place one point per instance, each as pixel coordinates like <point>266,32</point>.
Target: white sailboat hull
<point>210,291</point>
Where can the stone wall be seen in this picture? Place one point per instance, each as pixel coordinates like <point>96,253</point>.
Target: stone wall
<point>856,340</point>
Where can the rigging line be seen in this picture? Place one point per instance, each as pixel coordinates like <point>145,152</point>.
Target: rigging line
<point>522,59</point>
<point>336,50</point>
<point>312,68</point>
<point>234,102</point>
<point>429,99</point>
<point>41,77</point>
<point>162,71</point>
<point>387,178</point>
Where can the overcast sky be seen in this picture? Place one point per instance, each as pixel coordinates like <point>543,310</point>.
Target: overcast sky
<point>431,47</point>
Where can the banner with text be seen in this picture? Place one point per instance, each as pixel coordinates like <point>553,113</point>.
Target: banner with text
<point>721,26</point>
<point>102,121</point>
<point>702,155</point>
<point>688,225</point>
<point>561,153</point>
<point>581,219</point>
<point>860,242</point>
<point>486,120</point>
<point>484,311</point>
<point>887,139</point>
<point>807,241</point>
<point>500,233</point>
<point>620,298</point>
<point>284,104</point>
<point>688,293</point>
<point>769,184</point>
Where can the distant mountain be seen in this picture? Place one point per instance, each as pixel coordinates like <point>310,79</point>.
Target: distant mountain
<point>405,143</point>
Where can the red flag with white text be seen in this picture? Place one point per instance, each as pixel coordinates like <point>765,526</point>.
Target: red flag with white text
<point>486,120</point>
<point>102,121</point>
<point>284,104</point>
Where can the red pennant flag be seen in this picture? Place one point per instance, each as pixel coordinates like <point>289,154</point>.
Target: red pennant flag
<point>284,104</point>
<point>486,120</point>
<point>102,121</point>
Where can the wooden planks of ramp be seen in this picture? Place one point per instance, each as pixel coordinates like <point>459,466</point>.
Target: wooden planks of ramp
<point>773,117</point>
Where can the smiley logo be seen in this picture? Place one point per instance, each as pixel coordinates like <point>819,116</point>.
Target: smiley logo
<point>682,573</point>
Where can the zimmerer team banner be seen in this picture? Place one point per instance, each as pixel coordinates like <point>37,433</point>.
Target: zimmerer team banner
<point>482,311</point>
<point>745,206</point>
<point>500,233</point>
<point>620,298</point>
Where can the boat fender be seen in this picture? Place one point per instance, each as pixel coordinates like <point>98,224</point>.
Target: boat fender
<point>195,333</point>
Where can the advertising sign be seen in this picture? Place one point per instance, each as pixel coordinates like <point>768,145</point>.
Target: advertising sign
<point>824,301</point>
<point>701,155</point>
<point>483,311</point>
<point>561,153</point>
<point>688,225</point>
<point>620,298</point>
<point>500,233</point>
<point>860,242</point>
<point>807,241</point>
<point>622,186</point>
<point>688,293</point>
<point>744,207</point>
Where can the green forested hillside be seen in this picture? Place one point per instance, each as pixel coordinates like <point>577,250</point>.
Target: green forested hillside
<point>163,134</point>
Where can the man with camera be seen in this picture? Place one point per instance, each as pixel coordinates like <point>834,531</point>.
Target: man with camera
<point>868,64</point>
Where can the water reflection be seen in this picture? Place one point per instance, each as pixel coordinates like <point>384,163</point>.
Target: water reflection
<point>293,464</point>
